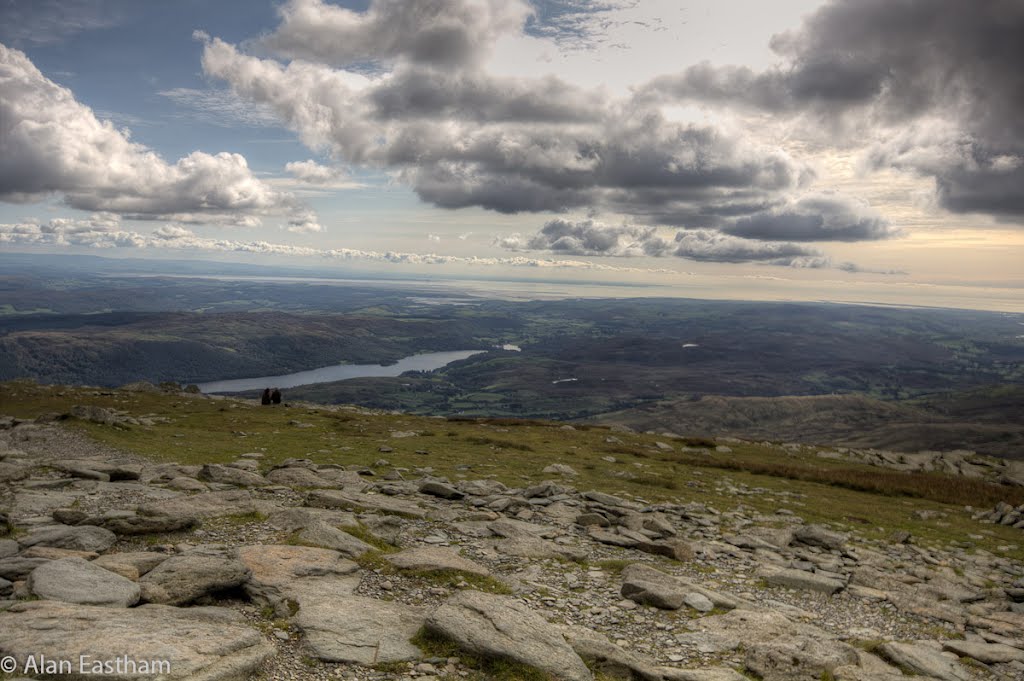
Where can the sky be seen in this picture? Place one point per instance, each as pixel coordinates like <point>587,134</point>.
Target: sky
<point>814,148</point>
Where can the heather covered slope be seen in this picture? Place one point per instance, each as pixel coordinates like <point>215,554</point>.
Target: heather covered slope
<point>989,420</point>
<point>310,542</point>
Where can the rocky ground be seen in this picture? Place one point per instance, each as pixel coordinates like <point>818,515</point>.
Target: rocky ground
<point>300,570</point>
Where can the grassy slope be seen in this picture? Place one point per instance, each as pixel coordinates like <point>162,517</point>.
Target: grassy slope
<point>204,430</point>
<point>989,420</point>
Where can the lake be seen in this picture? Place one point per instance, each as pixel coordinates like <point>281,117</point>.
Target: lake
<point>428,361</point>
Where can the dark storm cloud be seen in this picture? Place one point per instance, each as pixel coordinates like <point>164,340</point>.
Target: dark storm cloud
<point>821,217</point>
<point>468,138</point>
<point>589,237</point>
<point>917,64</point>
<point>413,92</point>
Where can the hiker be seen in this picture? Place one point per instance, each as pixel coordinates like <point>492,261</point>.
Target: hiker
<point>275,396</point>
<point>265,398</point>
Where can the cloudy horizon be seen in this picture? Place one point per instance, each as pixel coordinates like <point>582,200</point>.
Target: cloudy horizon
<point>854,141</point>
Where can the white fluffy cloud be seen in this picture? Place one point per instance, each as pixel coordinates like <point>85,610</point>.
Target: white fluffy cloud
<point>320,176</point>
<point>439,32</point>
<point>52,144</point>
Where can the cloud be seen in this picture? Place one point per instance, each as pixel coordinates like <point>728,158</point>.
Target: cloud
<point>589,237</point>
<point>304,222</point>
<point>940,79</point>
<point>442,33</point>
<point>817,217</point>
<point>220,107</point>
<point>42,22</point>
<point>468,138</point>
<point>100,232</point>
<point>434,237</point>
<point>52,144</point>
<point>312,172</point>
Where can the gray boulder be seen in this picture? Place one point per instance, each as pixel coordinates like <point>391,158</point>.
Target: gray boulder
<point>358,629</point>
<point>74,580</point>
<point>201,644</point>
<point>11,472</point>
<point>648,586</point>
<point>807,581</point>
<point>924,658</point>
<point>8,548</point>
<point>204,505</point>
<point>987,653</point>
<point>295,476</point>
<point>439,489</point>
<point>432,559</point>
<point>76,538</point>
<point>698,602</point>
<point>18,568</point>
<point>285,577</point>
<point>364,502</point>
<point>228,475</point>
<point>503,627</point>
<point>321,534</point>
<point>183,579</point>
<point>131,564</point>
<point>775,647</point>
<point>818,535</point>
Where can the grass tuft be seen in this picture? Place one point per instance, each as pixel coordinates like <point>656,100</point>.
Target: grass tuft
<point>497,669</point>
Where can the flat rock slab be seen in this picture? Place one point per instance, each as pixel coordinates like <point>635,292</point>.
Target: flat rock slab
<point>503,627</point>
<point>711,674</point>
<point>358,629</point>
<point>299,477</point>
<point>296,518</point>
<point>17,568</point>
<point>130,524</point>
<point>135,563</point>
<point>988,653</point>
<point>10,472</point>
<point>431,559</point>
<point>924,659</point>
<point>329,537</point>
<point>297,573</point>
<point>74,580</point>
<point>201,644</point>
<point>818,535</point>
<point>366,502</point>
<point>182,579</point>
<point>601,655</point>
<point>227,475</point>
<point>806,581</point>
<point>203,505</point>
<point>29,503</point>
<point>776,647</point>
<point>76,538</point>
<point>8,548</point>
<point>648,586</point>
<point>439,489</point>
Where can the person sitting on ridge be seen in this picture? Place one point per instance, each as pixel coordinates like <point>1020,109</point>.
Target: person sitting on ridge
<point>265,398</point>
<point>275,396</point>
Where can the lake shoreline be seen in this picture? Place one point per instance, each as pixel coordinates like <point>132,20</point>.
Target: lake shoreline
<point>428,361</point>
